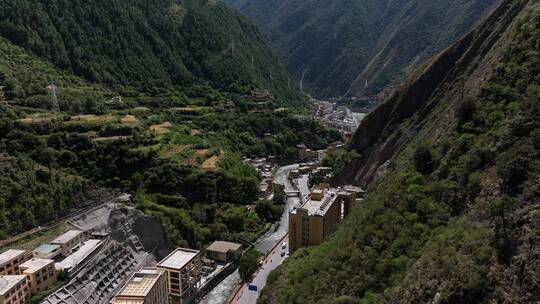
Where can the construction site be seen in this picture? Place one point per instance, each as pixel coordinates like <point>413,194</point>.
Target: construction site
<point>104,255</point>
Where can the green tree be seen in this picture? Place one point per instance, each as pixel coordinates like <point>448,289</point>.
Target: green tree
<point>249,262</point>
<point>423,160</point>
<point>280,197</point>
<point>502,213</point>
<point>512,167</point>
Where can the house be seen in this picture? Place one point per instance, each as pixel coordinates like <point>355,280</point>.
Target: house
<point>40,274</point>
<point>68,241</point>
<point>224,251</point>
<point>148,286</point>
<point>184,271</point>
<point>47,251</point>
<point>11,259</point>
<point>13,289</point>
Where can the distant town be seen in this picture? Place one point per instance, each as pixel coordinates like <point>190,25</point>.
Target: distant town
<point>329,114</point>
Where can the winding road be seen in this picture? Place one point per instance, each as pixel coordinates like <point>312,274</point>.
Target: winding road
<point>269,243</point>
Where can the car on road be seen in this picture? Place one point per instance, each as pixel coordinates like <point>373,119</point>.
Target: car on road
<point>283,254</point>
<point>284,245</point>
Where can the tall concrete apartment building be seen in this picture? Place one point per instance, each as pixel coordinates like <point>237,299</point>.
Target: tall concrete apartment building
<point>148,286</point>
<point>318,217</point>
<point>184,270</point>
<point>13,289</point>
<point>11,259</point>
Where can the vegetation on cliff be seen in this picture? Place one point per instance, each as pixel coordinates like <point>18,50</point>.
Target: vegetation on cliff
<point>155,47</point>
<point>338,46</point>
<point>455,217</point>
<point>159,107</point>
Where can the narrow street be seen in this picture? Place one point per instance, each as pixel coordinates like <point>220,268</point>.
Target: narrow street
<point>274,256</point>
<point>271,262</point>
<point>271,242</point>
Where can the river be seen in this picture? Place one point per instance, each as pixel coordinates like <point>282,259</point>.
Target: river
<point>222,291</point>
<point>359,117</point>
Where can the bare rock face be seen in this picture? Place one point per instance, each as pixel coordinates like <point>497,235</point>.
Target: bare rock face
<point>125,224</point>
<point>426,103</point>
<point>128,224</point>
<point>151,235</point>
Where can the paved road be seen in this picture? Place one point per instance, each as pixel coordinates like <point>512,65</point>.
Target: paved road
<point>271,262</point>
<point>223,290</point>
<point>274,258</point>
<point>303,187</point>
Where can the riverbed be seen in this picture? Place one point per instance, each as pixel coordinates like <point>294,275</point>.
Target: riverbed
<point>223,290</point>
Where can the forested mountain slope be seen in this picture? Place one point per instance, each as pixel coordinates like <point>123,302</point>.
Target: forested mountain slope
<point>151,45</point>
<point>155,99</point>
<point>452,214</point>
<point>337,46</point>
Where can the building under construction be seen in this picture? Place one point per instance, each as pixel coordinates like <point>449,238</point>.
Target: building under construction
<point>184,271</point>
<point>148,286</point>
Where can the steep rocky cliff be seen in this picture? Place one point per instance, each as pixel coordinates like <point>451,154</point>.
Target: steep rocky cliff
<point>424,105</point>
<point>452,167</point>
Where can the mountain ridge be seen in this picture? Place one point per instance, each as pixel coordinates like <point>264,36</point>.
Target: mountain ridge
<point>452,170</point>
<point>338,46</point>
<point>155,45</point>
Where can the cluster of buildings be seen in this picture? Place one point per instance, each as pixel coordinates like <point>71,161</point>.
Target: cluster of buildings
<point>317,218</point>
<point>176,278</point>
<point>262,95</point>
<point>313,169</point>
<point>25,273</point>
<point>265,166</point>
<point>330,115</point>
<point>306,154</point>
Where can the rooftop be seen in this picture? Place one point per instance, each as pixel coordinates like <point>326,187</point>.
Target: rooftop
<point>10,255</point>
<point>222,246</point>
<point>138,286</point>
<point>46,248</point>
<point>10,281</point>
<point>355,189</point>
<point>318,207</point>
<point>66,237</point>
<point>79,256</point>
<point>178,258</point>
<point>34,265</point>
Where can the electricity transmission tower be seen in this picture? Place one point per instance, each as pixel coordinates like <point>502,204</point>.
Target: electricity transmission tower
<point>55,107</point>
